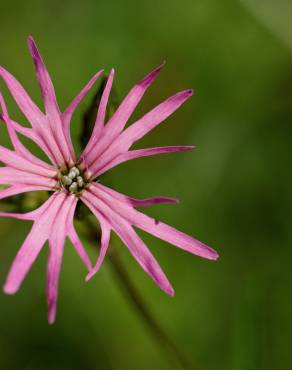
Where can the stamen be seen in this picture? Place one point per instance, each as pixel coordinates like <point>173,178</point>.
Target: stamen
<point>80,181</point>
<point>66,180</point>
<point>73,180</point>
<point>73,187</point>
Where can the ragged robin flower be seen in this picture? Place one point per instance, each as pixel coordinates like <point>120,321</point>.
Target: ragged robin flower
<point>71,179</point>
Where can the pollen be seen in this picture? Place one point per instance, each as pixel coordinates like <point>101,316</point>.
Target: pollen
<point>72,180</point>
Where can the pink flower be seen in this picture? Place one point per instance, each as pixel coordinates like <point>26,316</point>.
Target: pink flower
<point>71,179</point>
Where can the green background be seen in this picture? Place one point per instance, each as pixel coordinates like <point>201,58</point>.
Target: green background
<point>235,188</point>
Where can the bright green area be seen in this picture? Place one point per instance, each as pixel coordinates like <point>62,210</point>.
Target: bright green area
<point>235,188</point>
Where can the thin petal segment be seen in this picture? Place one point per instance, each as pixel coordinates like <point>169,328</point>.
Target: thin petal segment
<point>150,120</point>
<point>104,163</point>
<point>33,136</point>
<point>118,121</point>
<point>57,238</point>
<point>13,176</point>
<point>37,119</point>
<point>20,149</point>
<point>105,238</point>
<point>127,234</point>
<point>19,189</point>
<point>68,113</point>
<point>47,129</point>
<point>45,82</point>
<point>32,246</point>
<point>19,162</point>
<point>120,118</point>
<point>136,131</point>
<point>50,102</point>
<point>137,202</point>
<point>154,227</point>
<point>26,105</point>
<point>100,118</point>
<point>72,235</point>
<point>53,221</point>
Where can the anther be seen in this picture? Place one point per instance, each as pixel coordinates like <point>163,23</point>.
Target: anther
<point>73,187</point>
<point>73,180</point>
<point>71,175</point>
<point>66,180</point>
<point>80,181</point>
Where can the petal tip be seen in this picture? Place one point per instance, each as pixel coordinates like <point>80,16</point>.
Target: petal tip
<point>211,254</point>
<point>7,289</point>
<point>52,312</point>
<point>215,256</point>
<point>188,147</point>
<point>31,44</point>
<point>170,291</point>
<point>189,92</point>
<point>89,276</point>
<point>51,319</point>
<point>146,81</point>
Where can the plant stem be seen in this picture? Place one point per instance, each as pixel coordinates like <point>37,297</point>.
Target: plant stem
<point>138,302</point>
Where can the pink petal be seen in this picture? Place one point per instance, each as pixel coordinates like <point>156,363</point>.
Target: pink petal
<point>26,105</point>
<point>70,231</point>
<point>19,147</point>
<point>100,118</point>
<point>34,116</point>
<point>27,132</point>
<point>16,161</point>
<point>151,119</point>
<point>79,248</point>
<point>53,271</point>
<point>19,189</point>
<point>33,136</point>
<point>67,115</point>
<point>138,129</point>
<point>135,245</point>
<point>143,256</point>
<point>56,242</point>
<point>45,82</point>
<point>50,102</point>
<point>154,227</point>
<point>104,164</point>
<point>118,121</point>
<point>105,238</point>
<point>53,143</point>
<point>137,202</point>
<point>13,176</point>
<point>33,215</point>
<point>32,244</point>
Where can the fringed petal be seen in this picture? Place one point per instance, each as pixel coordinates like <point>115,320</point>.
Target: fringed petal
<point>57,236</point>
<point>32,244</point>
<point>104,245</point>
<point>50,103</point>
<point>119,120</point>
<point>100,118</point>
<point>127,234</point>
<point>154,227</point>
<point>105,162</point>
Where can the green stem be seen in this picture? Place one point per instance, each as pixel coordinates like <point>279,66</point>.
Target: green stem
<point>138,302</point>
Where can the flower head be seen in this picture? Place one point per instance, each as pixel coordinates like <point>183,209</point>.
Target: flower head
<point>71,179</point>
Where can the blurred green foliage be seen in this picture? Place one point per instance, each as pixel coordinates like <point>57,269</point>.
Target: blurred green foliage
<point>235,188</point>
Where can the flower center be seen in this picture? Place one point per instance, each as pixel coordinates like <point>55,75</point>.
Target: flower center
<point>73,180</point>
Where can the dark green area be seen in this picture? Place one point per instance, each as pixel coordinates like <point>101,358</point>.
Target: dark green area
<point>235,188</point>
